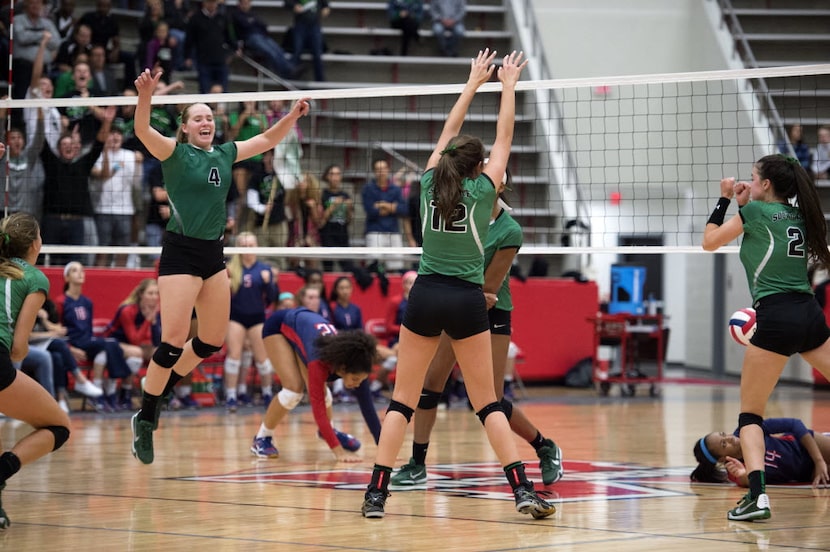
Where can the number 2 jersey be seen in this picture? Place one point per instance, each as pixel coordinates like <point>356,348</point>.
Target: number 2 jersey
<point>774,249</point>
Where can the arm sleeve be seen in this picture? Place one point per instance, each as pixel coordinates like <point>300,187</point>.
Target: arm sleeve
<point>317,376</point>
<point>367,408</point>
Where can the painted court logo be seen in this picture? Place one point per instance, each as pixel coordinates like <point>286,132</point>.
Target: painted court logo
<point>583,481</point>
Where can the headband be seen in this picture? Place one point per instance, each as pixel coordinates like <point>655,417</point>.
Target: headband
<point>706,452</point>
<point>67,268</point>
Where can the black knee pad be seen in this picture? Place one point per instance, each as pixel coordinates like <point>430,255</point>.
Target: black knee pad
<point>507,406</point>
<point>489,409</point>
<point>202,349</point>
<point>395,406</point>
<point>167,355</point>
<point>747,418</point>
<point>61,434</point>
<point>429,399</point>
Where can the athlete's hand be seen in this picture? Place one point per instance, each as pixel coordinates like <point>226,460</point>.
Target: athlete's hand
<point>481,67</point>
<point>820,477</point>
<point>301,107</point>
<point>146,82</point>
<point>742,193</point>
<point>511,68</point>
<point>727,187</point>
<point>735,468</point>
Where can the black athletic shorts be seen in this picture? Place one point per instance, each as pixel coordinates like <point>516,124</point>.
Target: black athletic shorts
<point>789,323</point>
<point>443,303</point>
<point>500,321</point>
<point>248,321</point>
<point>7,371</point>
<point>185,255</point>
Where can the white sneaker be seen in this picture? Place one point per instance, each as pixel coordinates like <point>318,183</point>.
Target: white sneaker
<point>63,405</point>
<point>89,389</point>
<point>390,364</point>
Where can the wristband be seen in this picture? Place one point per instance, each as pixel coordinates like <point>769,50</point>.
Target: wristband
<point>719,213</point>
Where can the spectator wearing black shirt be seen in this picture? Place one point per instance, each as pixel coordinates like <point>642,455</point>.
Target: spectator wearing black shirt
<point>105,32</point>
<point>208,37</point>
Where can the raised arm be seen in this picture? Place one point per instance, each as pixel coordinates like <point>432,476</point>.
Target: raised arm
<point>481,69</point>
<point>270,138</point>
<point>717,233</point>
<point>161,147</point>
<point>509,74</point>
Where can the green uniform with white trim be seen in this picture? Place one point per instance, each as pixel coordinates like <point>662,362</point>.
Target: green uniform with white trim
<point>774,249</point>
<point>505,233</point>
<point>13,293</point>
<point>197,183</point>
<point>456,248</point>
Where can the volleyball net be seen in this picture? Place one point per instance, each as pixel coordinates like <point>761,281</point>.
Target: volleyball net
<point>597,164</point>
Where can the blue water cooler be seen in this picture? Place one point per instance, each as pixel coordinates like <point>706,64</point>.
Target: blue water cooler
<point>627,283</point>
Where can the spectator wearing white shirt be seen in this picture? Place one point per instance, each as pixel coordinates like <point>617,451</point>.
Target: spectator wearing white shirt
<point>116,179</point>
<point>821,158</point>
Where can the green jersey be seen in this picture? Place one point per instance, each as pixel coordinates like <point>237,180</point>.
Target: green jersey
<point>197,183</point>
<point>505,233</point>
<point>12,295</point>
<point>774,249</point>
<point>254,125</point>
<point>456,247</point>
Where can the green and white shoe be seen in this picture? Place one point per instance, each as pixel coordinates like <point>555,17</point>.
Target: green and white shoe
<point>410,475</point>
<point>550,462</point>
<point>749,509</point>
<point>142,445</point>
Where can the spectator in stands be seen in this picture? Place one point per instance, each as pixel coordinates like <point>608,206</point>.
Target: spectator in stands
<point>383,203</point>
<point>85,118</point>
<point>306,216</point>
<point>448,24</point>
<point>24,289</point>
<point>246,123</point>
<point>253,288</point>
<point>801,455</point>
<point>137,328</point>
<point>209,40</point>
<point>289,152</point>
<point>266,198</point>
<point>76,314</point>
<point>314,278</point>
<point>64,18</point>
<point>29,29</point>
<point>177,14</point>
<point>160,48</point>
<point>42,87</point>
<point>79,43</point>
<point>286,300</point>
<point>158,212</point>
<point>395,310</point>
<point>25,170</point>
<point>412,222</point>
<point>67,205</point>
<point>800,147</point>
<point>307,31</point>
<point>253,33</point>
<point>221,117</point>
<point>406,15</point>
<point>116,177</point>
<point>49,334</point>
<point>338,211</point>
<point>306,351</point>
<point>103,76</point>
<point>821,166</point>
<point>345,314</point>
<point>106,33</point>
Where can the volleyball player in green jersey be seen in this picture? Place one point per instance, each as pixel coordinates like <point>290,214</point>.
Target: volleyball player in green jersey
<point>192,272</point>
<point>457,197</point>
<point>23,289</point>
<point>503,242</point>
<point>778,241</point>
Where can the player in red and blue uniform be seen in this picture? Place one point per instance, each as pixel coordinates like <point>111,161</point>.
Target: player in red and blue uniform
<point>792,454</point>
<point>307,351</point>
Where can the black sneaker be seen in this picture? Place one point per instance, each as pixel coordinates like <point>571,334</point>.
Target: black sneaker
<point>373,503</point>
<point>528,502</point>
<point>4,519</point>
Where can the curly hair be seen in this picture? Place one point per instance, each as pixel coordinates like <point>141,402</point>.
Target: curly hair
<point>353,351</point>
<point>706,471</point>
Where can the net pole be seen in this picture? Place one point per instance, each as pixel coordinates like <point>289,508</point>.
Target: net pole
<point>8,113</point>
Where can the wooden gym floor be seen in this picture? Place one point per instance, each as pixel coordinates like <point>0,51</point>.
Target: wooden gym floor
<point>626,486</point>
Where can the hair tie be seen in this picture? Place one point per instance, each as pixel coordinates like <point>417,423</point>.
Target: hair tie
<point>6,237</point>
<point>791,161</point>
<point>179,119</point>
<point>449,149</point>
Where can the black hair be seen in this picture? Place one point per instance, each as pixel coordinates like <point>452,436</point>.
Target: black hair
<point>333,296</point>
<point>706,471</point>
<point>353,351</point>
